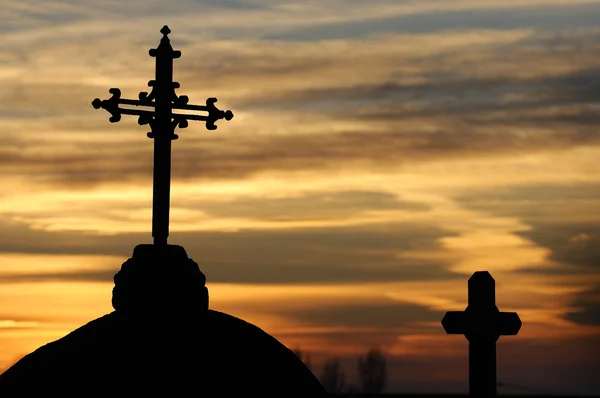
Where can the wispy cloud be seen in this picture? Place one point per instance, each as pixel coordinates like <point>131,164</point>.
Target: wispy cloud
<point>12,324</point>
<point>327,107</point>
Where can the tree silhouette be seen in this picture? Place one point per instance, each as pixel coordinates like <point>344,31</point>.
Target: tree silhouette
<point>303,356</point>
<point>332,377</point>
<point>372,372</point>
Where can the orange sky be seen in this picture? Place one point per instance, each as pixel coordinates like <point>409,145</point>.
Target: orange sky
<point>379,155</point>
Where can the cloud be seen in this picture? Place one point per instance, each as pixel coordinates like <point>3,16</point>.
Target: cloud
<point>227,18</point>
<point>126,163</point>
<point>392,100</point>
<point>581,249</point>
<point>523,200</point>
<point>569,232</point>
<point>574,253</point>
<point>355,323</point>
<point>588,308</point>
<point>457,16</point>
<point>11,324</point>
<point>283,207</point>
<point>82,275</point>
<point>11,320</point>
<point>21,238</point>
<point>328,255</point>
<point>378,314</point>
<point>315,205</point>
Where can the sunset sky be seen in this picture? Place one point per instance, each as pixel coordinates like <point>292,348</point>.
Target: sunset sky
<point>381,152</point>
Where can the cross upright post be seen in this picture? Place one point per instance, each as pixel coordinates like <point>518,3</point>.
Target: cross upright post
<point>482,324</point>
<point>162,122</point>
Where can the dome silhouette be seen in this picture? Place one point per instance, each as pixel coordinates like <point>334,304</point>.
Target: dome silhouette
<point>162,337</point>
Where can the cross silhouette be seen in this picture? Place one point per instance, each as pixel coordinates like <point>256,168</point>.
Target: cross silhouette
<point>162,122</point>
<point>482,324</point>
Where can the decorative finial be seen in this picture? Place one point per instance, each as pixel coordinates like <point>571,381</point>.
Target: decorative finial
<point>165,30</point>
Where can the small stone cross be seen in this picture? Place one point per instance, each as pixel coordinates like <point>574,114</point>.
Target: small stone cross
<point>162,122</point>
<point>482,324</point>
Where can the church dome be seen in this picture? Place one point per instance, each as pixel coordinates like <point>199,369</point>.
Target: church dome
<point>162,337</point>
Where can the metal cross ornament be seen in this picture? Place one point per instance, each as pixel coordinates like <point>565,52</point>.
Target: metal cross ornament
<point>162,122</point>
<point>482,324</point>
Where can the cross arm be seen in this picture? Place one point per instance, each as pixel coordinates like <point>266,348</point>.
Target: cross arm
<point>508,323</point>
<point>472,323</point>
<point>214,113</point>
<point>112,106</point>
<point>455,322</point>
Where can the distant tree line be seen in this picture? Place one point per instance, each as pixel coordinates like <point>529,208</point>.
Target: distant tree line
<point>371,371</point>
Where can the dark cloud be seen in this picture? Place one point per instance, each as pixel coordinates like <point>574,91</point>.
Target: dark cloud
<point>374,322</point>
<point>518,193</point>
<point>370,253</point>
<point>123,162</point>
<point>588,312</point>
<point>581,249</point>
<point>540,204</point>
<point>366,338</point>
<point>376,313</point>
<point>52,99</point>
<point>575,245</point>
<point>559,218</point>
<point>79,169</point>
<point>80,275</point>
<point>314,206</point>
<point>331,271</point>
<point>551,17</point>
<point>231,4</point>
<point>468,115</point>
<point>475,103</point>
<point>553,270</point>
<point>367,253</point>
<point>18,237</point>
<point>572,244</point>
<point>464,125</point>
<point>563,99</point>
<point>63,12</point>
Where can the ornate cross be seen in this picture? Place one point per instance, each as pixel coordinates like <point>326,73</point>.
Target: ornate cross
<point>162,122</point>
<point>482,324</point>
